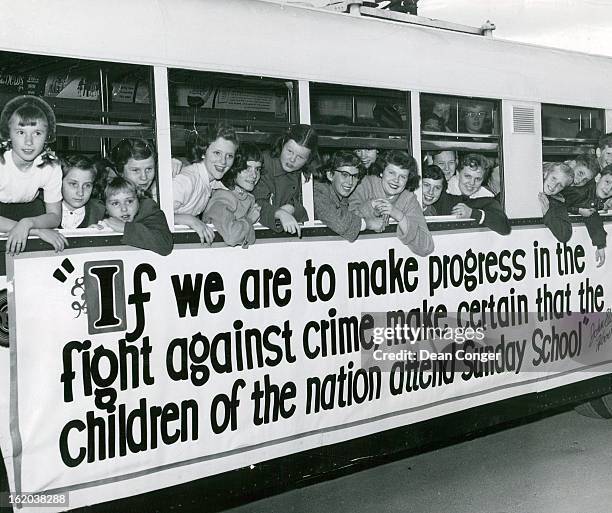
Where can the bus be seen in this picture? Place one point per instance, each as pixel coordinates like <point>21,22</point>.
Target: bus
<point>127,372</point>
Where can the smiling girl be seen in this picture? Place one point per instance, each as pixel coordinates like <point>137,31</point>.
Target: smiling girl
<point>193,185</point>
<point>27,125</point>
<point>234,211</point>
<point>390,194</point>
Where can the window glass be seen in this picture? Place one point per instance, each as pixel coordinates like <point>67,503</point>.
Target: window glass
<point>259,109</point>
<point>570,131</point>
<point>572,122</point>
<point>452,114</point>
<point>351,117</point>
<point>96,104</point>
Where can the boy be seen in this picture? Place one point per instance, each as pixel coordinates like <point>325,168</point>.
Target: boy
<point>557,176</point>
<point>446,160</point>
<point>473,116</point>
<point>467,199</point>
<point>433,185</point>
<point>140,220</point>
<point>331,194</point>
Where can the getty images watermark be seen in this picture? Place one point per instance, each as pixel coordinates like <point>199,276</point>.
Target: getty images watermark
<point>387,341</point>
<point>525,343</point>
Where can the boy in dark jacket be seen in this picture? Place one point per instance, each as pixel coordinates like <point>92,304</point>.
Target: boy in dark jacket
<point>465,197</point>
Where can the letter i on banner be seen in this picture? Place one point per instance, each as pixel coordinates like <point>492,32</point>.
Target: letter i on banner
<point>105,296</point>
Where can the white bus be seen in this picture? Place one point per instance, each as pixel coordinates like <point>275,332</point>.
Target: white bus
<point>127,372</point>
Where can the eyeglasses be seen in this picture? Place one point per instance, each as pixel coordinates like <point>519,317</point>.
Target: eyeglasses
<point>348,176</point>
<point>472,114</point>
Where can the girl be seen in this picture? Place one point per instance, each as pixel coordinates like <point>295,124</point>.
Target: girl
<point>79,178</point>
<point>210,159</point>
<point>135,160</point>
<point>279,192</point>
<point>27,125</point>
<point>136,216</point>
<point>234,211</point>
<point>390,195</point>
<point>331,191</point>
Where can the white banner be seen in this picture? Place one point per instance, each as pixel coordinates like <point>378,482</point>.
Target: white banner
<point>132,371</point>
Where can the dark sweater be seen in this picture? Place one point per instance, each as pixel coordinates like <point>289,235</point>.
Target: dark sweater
<point>149,229</point>
<point>334,212</point>
<point>486,210</point>
<point>586,197</point>
<point>277,188</point>
<point>557,219</point>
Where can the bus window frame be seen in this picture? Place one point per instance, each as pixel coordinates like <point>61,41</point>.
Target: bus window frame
<point>456,141</point>
<point>570,146</point>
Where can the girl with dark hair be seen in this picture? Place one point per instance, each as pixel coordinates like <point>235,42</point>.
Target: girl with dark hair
<point>391,195</point>
<point>234,211</point>
<point>192,186</point>
<point>331,192</point>
<point>279,192</point>
<point>135,160</point>
<point>27,126</point>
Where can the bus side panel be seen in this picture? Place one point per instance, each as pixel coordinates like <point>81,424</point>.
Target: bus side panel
<point>522,159</point>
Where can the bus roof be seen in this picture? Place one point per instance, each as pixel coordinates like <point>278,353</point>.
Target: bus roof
<point>295,42</point>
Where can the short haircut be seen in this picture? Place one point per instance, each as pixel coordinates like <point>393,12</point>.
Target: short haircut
<point>404,160</point>
<point>433,172</point>
<point>246,153</point>
<point>342,158</point>
<point>120,184</point>
<point>567,171</point>
<point>605,141</point>
<point>126,149</point>
<point>588,161</point>
<point>198,144</point>
<point>474,161</point>
<point>71,162</point>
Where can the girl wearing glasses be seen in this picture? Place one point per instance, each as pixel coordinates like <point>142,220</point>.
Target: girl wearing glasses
<point>391,196</point>
<point>332,189</point>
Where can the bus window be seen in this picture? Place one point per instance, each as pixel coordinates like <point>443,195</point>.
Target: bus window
<point>454,128</point>
<point>259,109</point>
<point>356,125</point>
<point>96,104</point>
<point>570,131</point>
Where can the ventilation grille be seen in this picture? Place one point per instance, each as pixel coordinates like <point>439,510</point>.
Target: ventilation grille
<point>523,120</point>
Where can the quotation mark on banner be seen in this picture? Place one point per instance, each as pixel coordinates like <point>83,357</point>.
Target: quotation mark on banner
<point>59,275</point>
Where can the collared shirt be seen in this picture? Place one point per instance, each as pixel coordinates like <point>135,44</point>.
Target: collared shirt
<point>72,218</point>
